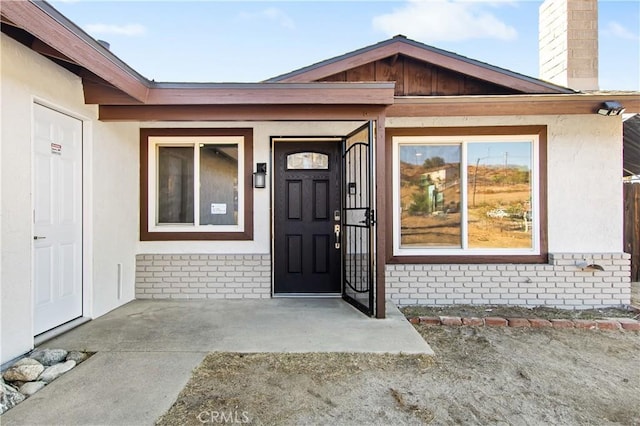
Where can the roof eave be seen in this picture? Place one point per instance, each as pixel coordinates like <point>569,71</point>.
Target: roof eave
<point>501,105</point>
<point>51,27</point>
<point>251,94</point>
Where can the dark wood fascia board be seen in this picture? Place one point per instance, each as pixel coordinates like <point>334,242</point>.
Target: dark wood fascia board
<point>98,91</point>
<point>422,107</point>
<point>249,94</point>
<point>381,208</point>
<point>330,67</point>
<point>276,94</point>
<point>506,105</point>
<point>237,112</point>
<point>44,49</point>
<point>6,21</point>
<point>46,24</point>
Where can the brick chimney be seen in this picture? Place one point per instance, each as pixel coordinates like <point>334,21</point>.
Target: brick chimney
<point>568,43</point>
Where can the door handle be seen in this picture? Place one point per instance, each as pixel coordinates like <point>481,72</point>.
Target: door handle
<point>37,237</point>
<point>336,231</point>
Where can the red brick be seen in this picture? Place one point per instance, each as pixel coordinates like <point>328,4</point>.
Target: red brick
<point>414,320</point>
<point>588,324</point>
<point>450,321</point>
<point>473,321</point>
<point>518,322</point>
<point>562,323</point>
<point>539,323</point>
<point>430,320</point>
<point>495,322</point>
<point>607,325</point>
<point>629,324</point>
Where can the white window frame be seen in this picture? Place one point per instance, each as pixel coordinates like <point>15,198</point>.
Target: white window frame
<point>155,142</point>
<point>463,141</point>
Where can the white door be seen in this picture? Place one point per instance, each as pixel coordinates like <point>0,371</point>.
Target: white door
<point>57,218</point>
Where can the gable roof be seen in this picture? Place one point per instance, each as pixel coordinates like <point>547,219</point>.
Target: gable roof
<point>400,45</point>
<point>123,94</point>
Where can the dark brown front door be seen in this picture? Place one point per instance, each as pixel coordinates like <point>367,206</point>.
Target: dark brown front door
<point>307,255</point>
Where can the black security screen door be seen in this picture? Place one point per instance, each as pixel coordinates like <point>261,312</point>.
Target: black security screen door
<point>307,252</point>
<point>358,240</point>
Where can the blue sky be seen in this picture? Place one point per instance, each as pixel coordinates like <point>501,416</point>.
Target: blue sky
<point>249,41</point>
<point>489,153</point>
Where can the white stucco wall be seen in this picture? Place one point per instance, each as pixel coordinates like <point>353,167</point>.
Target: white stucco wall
<point>584,169</point>
<point>262,133</point>
<point>115,212</point>
<point>110,181</point>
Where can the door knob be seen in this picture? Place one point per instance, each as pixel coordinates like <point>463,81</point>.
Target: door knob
<point>336,231</point>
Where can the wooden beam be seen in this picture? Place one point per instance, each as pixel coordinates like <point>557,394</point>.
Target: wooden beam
<point>69,44</point>
<point>381,183</point>
<point>46,50</point>
<point>96,92</point>
<point>7,21</point>
<point>348,62</point>
<point>275,94</point>
<point>237,112</point>
<point>506,105</point>
<point>248,94</point>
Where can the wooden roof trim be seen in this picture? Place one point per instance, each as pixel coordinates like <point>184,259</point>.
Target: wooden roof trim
<point>61,35</point>
<point>445,106</point>
<point>309,112</point>
<point>453,106</point>
<point>342,63</point>
<point>44,49</point>
<point>400,45</point>
<point>248,94</point>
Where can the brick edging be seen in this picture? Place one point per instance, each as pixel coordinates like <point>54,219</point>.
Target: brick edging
<point>626,324</point>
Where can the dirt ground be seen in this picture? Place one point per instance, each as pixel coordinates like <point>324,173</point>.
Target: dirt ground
<point>484,375</point>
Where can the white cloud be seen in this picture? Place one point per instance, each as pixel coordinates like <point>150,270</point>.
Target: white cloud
<point>109,29</point>
<point>444,20</point>
<point>280,17</point>
<point>617,30</point>
<point>272,14</point>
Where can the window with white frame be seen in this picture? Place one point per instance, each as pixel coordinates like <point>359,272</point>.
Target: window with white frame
<point>466,195</point>
<point>195,185</point>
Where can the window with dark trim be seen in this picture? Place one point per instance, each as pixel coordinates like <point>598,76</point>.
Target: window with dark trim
<point>195,184</point>
<point>468,194</point>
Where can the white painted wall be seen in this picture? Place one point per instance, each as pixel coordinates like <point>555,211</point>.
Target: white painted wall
<point>115,213</point>
<point>584,173</point>
<point>110,180</point>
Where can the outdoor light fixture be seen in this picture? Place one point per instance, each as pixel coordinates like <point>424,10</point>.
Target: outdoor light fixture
<point>260,176</point>
<point>611,108</point>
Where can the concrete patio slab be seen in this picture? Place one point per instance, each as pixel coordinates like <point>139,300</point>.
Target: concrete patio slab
<point>271,325</point>
<point>147,349</point>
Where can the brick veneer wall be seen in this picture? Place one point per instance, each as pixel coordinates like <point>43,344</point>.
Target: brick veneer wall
<point>200,276</point>
<point>560,283</point>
